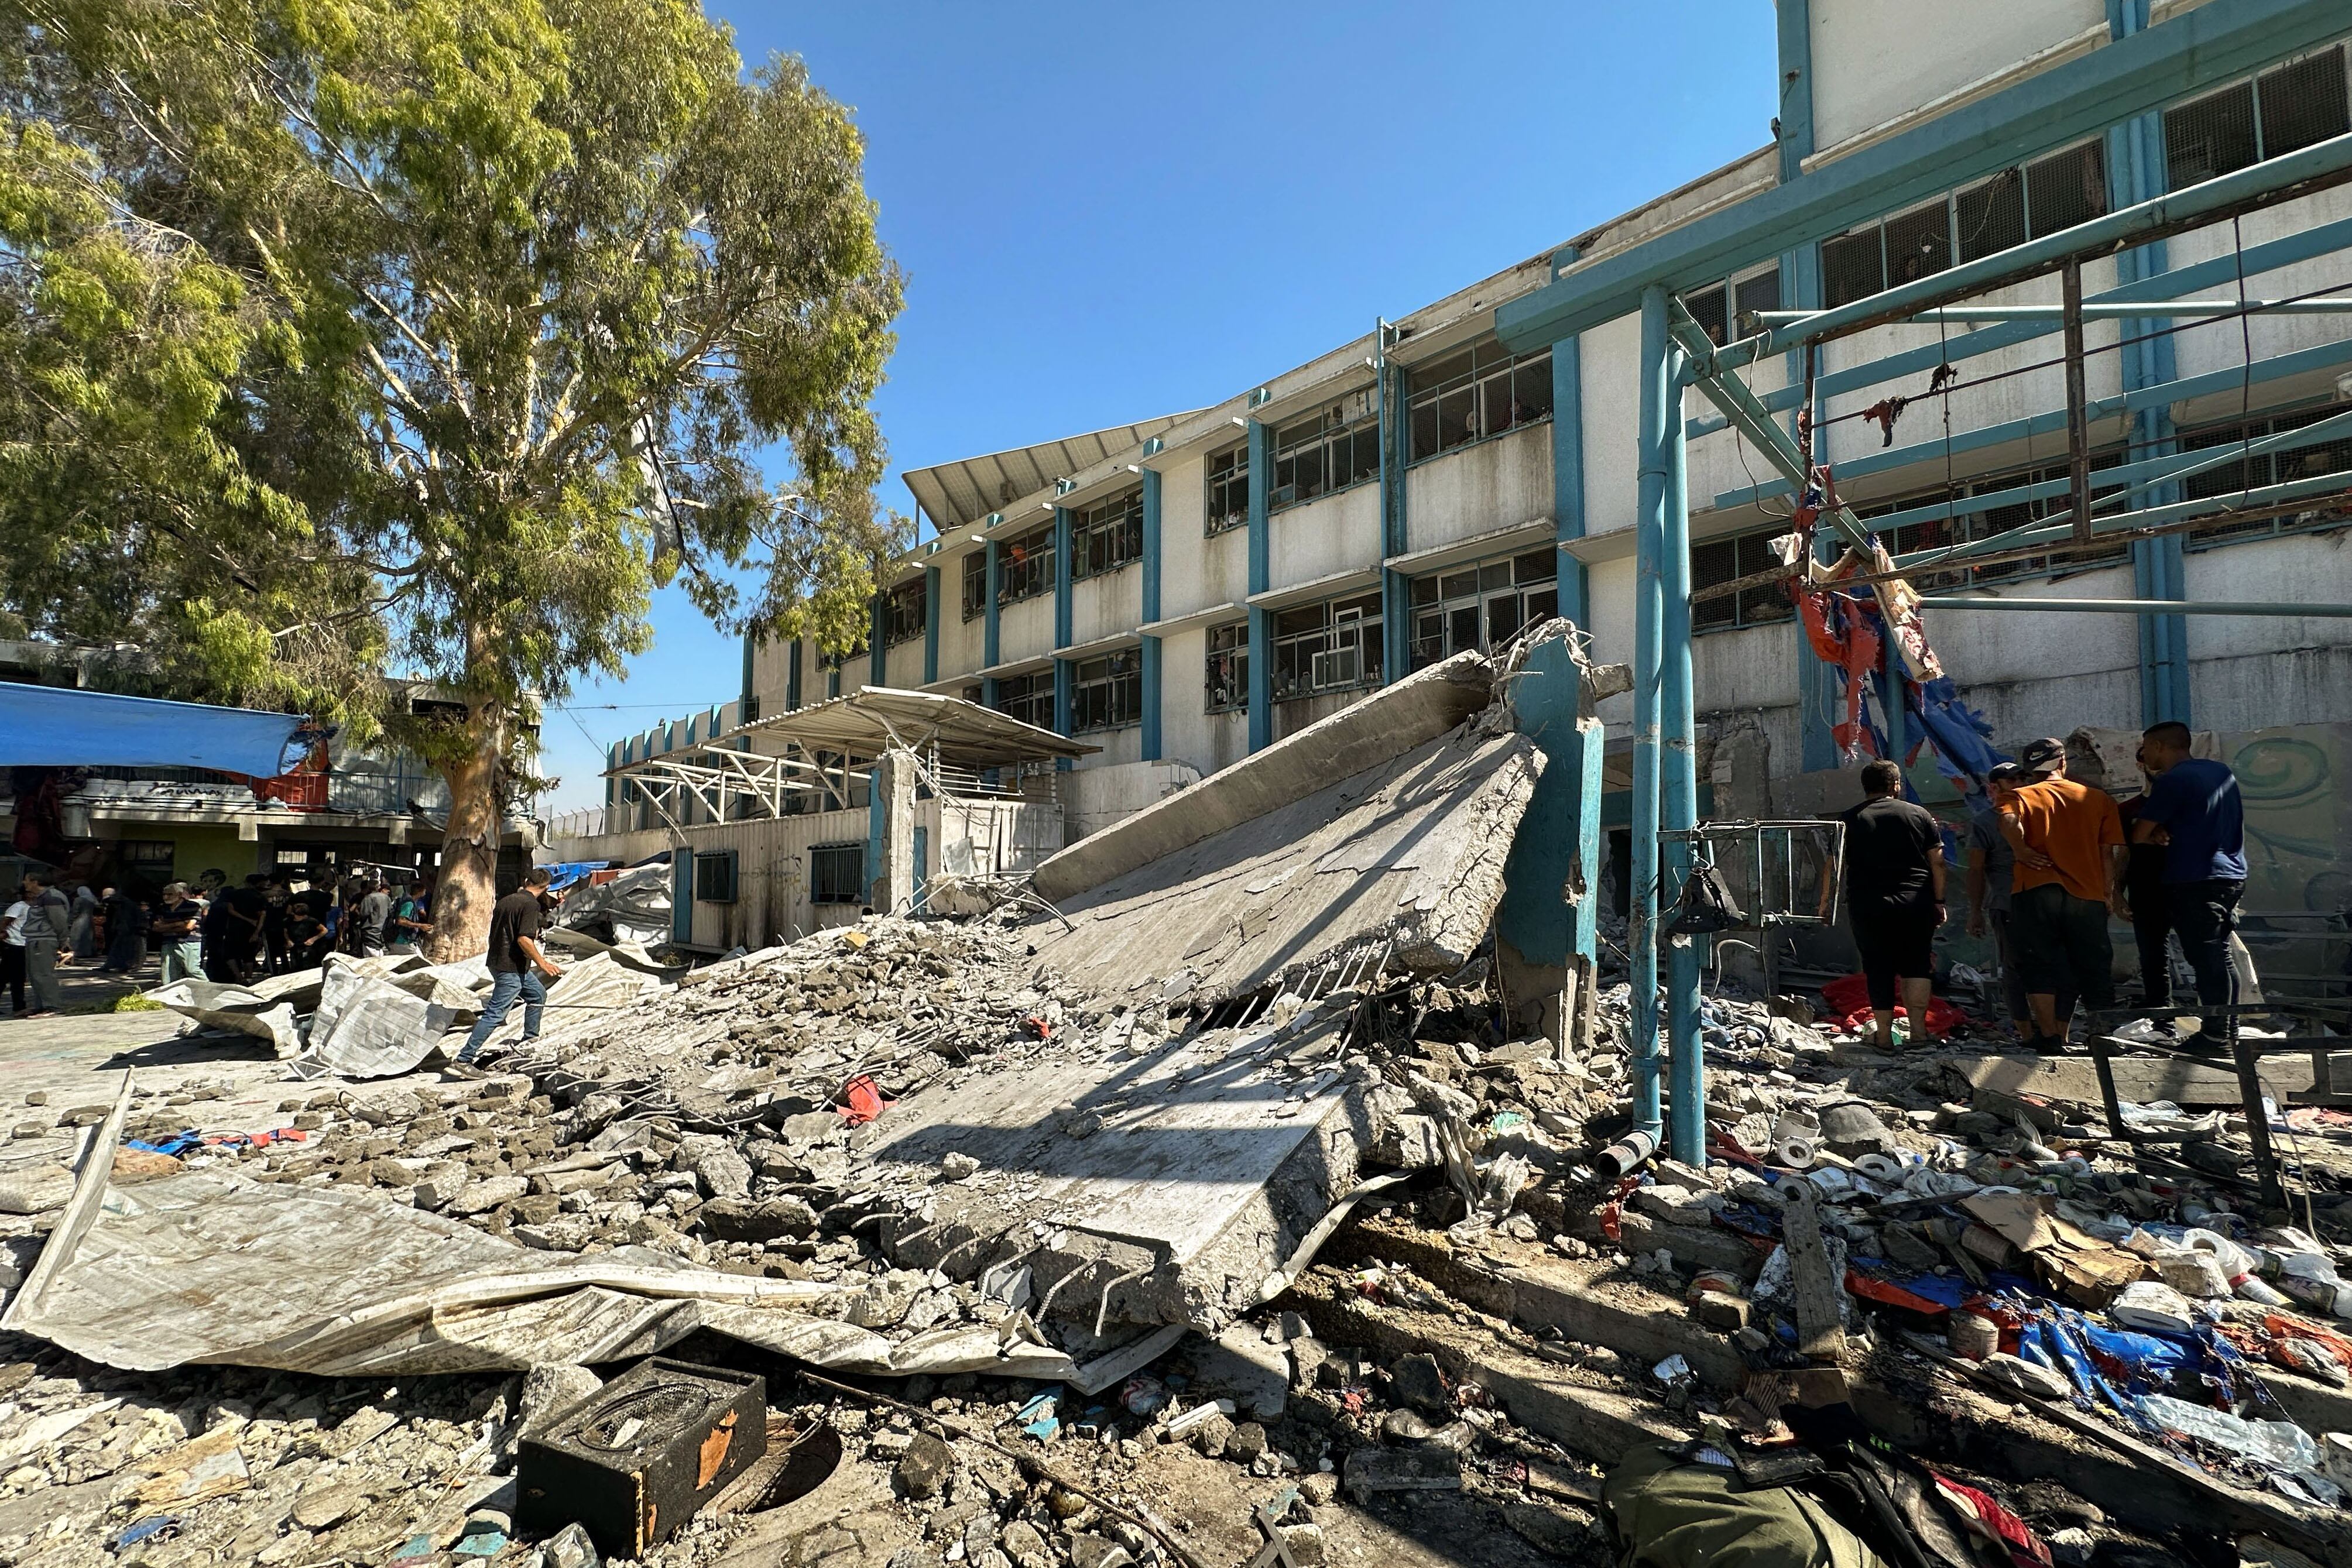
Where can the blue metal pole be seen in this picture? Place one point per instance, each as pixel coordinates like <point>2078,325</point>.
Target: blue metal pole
<point>989,642</point>
<point>930,624</point>
<point>1568,463</point>
<point>1261,623</point>
<point>1678,780</point>
<point>1151,612</point>
<point>1649,539</point>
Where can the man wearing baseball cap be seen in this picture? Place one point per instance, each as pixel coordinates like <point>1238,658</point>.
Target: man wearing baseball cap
<point>2068,841</point>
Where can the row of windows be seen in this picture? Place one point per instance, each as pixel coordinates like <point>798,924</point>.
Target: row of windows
<point>1024,565</point>
<point>2007,209</point>
<point>836,872</point>
<point>1326,647</point>
<point>2286,108</point>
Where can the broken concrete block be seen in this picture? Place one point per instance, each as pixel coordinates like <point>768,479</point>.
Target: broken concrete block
<point>1303,1542</point>
<point>439,1186</point>
<point>35,1191</point>
<point>1415,1381</point>
<point>722,1172</point>
<point>488,1193</point>
<point>924,1468</point>
<point>1421,1469</point>
<point>767,1220</point>
<point>956,1166</point>
<point>1212,1434</point>
<point>1672,1206</point>
<point>1720,1310</point>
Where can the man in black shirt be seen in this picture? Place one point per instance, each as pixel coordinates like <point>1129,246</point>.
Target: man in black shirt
<point>1893,894</point>
<point>516,965</point>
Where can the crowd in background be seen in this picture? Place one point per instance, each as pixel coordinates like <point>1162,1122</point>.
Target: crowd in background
<point>231,932</point>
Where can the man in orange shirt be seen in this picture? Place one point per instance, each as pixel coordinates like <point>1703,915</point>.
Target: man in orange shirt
<point>2068,841</point>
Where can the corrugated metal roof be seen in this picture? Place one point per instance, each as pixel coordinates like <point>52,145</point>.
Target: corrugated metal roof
<point>955,495</point>
<point>869,722</point>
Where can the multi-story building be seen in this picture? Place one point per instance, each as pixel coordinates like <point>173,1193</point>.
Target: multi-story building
<point>1184,590</point>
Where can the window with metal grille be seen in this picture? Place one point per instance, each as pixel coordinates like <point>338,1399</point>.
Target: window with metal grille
<point>1106,535</point>
<point>714,876</point>
<point>1226,680</point>
<point>837,874</point>
<point>1024,565</point>
<point>2265,469</point>
<point>1481,604</point>
<point>1329,449</point>
<point>1228,489</point>
<point>1475,392</point>
<point>1107,692</point>
<point>2004,209</point>
<point>1719,307</point>
<point>2266,116</point>
<point>1029,698</point>
<point>1720,561</point>
<point>1326,647</point>
<point>975,584</point>
<point>904,611</point>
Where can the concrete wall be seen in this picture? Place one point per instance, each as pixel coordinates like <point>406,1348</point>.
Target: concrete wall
<point>2252,673</point>
<point>1025,630</point>
<point>903,664</point>
<point>1107,605</point>
<point>2034,674</point>
<point>963,644</point>
<point>2221,345</point>
<point>1612,388</point>
<point>1094,798</point>
<point>1877,61</point>
<point>1332,534</point>
<point>1498,483</point>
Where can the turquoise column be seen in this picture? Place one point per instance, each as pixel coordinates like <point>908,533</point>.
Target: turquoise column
<point>1678,781</point>
<point>1796,114</point>
<point>747,707</point>
<point>1396,587</point>
<point>1564,852</point>
<point>1151,612</point>
<point>930,624</point>
<point>990,655</point>
<point>878,652</point>
<point>1568,463</point>
<point>1062,667</point>
<point>1061,577</point>
<point>1649,543</point>
<point>1261,622</point>
<point>2137,172</point>
<point>792,678</point>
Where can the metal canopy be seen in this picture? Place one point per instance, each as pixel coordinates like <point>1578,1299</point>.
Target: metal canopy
<point>956,495</point>
<point>814,751</point>
<point>882,718</point>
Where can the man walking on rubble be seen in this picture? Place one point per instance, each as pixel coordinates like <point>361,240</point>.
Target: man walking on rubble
<point>1894,896</point>
<point>516,963</point>
<point>2068,841</point>
<point>2193,809</point>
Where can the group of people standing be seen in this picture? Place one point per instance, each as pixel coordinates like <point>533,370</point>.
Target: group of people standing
<point>2050,860</point>
<point>230,932</point>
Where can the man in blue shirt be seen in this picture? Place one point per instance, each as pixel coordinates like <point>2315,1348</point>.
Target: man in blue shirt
<point>2193,809</point>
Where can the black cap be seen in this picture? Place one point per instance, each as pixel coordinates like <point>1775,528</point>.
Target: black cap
<point>2007,773</point>
<point>2041,756</point>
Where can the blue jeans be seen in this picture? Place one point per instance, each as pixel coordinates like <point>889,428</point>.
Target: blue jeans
<point>505,985</point>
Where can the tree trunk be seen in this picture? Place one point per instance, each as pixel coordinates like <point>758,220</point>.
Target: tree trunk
<point>469,881</point>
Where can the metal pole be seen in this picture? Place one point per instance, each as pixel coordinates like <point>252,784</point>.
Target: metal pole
<point>2158,310</point>
<point>1678,778</point>
<point>2078,424</point>
<point>2147,606</point>
<point>1649,536</point>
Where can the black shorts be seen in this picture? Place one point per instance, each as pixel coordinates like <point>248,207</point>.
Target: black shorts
<point>1895,942</point>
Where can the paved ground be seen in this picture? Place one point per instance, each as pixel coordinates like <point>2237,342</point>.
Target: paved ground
<point>86,990</point>
<point>50,1067</point>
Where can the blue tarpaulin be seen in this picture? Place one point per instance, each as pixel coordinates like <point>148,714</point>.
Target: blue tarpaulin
<point>58,726</point>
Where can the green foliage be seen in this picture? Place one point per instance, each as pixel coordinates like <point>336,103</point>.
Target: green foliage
<point>352,334</point>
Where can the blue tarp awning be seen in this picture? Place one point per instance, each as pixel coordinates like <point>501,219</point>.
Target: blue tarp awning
<point>59,726</point>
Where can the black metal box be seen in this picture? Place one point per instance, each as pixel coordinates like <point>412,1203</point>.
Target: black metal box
<point>642,1455</point>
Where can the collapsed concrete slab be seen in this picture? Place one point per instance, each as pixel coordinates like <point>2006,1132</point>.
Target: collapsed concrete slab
<point>1403,859</point>
<point>1377,730</point>
<point>1162,1185</point>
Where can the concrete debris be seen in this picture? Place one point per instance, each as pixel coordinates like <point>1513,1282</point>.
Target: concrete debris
<point>1235,1212</point>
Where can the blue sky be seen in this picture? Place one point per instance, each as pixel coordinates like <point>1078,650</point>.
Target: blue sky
<point>1109,212</point>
